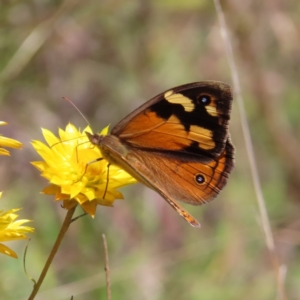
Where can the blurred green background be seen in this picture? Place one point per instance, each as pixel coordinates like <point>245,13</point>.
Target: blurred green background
<point>109,57</point>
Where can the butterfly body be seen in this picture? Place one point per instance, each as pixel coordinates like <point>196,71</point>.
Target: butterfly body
<point>177,144</point>
<point>116,153</point>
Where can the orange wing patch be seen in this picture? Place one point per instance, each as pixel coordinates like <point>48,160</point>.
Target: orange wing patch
<point>147,130</point>
<point>176,179</point>
<point>184,175</point>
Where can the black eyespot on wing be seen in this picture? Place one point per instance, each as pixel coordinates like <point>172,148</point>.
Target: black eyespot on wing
<point>200,179</point>
<point>203,99</point>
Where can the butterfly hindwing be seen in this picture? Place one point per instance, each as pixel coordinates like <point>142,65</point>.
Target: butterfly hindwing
<point>178,179</point>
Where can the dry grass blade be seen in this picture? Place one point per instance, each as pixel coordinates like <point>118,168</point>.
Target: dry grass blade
<point>31,45</point>
<point>107,270</point>
<point>265,223</point>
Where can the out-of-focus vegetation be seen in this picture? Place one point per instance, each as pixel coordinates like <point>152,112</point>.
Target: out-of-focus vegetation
<point>109,57</point>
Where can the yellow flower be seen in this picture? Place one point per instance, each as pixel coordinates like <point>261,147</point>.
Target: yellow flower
<point>6,142</point>
<point>12,230</point>
<point>71,164</point>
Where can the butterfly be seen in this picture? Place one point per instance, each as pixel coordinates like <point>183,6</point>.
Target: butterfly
<point>177,144</point>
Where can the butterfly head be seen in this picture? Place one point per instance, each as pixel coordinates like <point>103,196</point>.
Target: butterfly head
<point>110,146</point>
<point>95,138</point>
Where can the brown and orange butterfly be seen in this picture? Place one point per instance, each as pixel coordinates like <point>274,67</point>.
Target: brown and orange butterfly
<point>177,144</point>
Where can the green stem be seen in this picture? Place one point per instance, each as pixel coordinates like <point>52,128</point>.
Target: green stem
<point>63,230</point>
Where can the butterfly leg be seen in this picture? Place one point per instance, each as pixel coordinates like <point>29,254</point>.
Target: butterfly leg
<point>107,180</point>
<point>107,176</point>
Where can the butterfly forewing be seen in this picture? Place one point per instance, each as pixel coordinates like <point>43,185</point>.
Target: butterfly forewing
<point>192,118</point>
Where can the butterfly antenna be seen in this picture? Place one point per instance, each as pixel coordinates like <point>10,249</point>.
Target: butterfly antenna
<point>78,110</point>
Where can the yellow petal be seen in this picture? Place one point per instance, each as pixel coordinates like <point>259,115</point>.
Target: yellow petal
<point>6,142</point>
<point>90,208</point>
<point>71,167</point>
<point>4,152</point>
<point>5,250</point>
